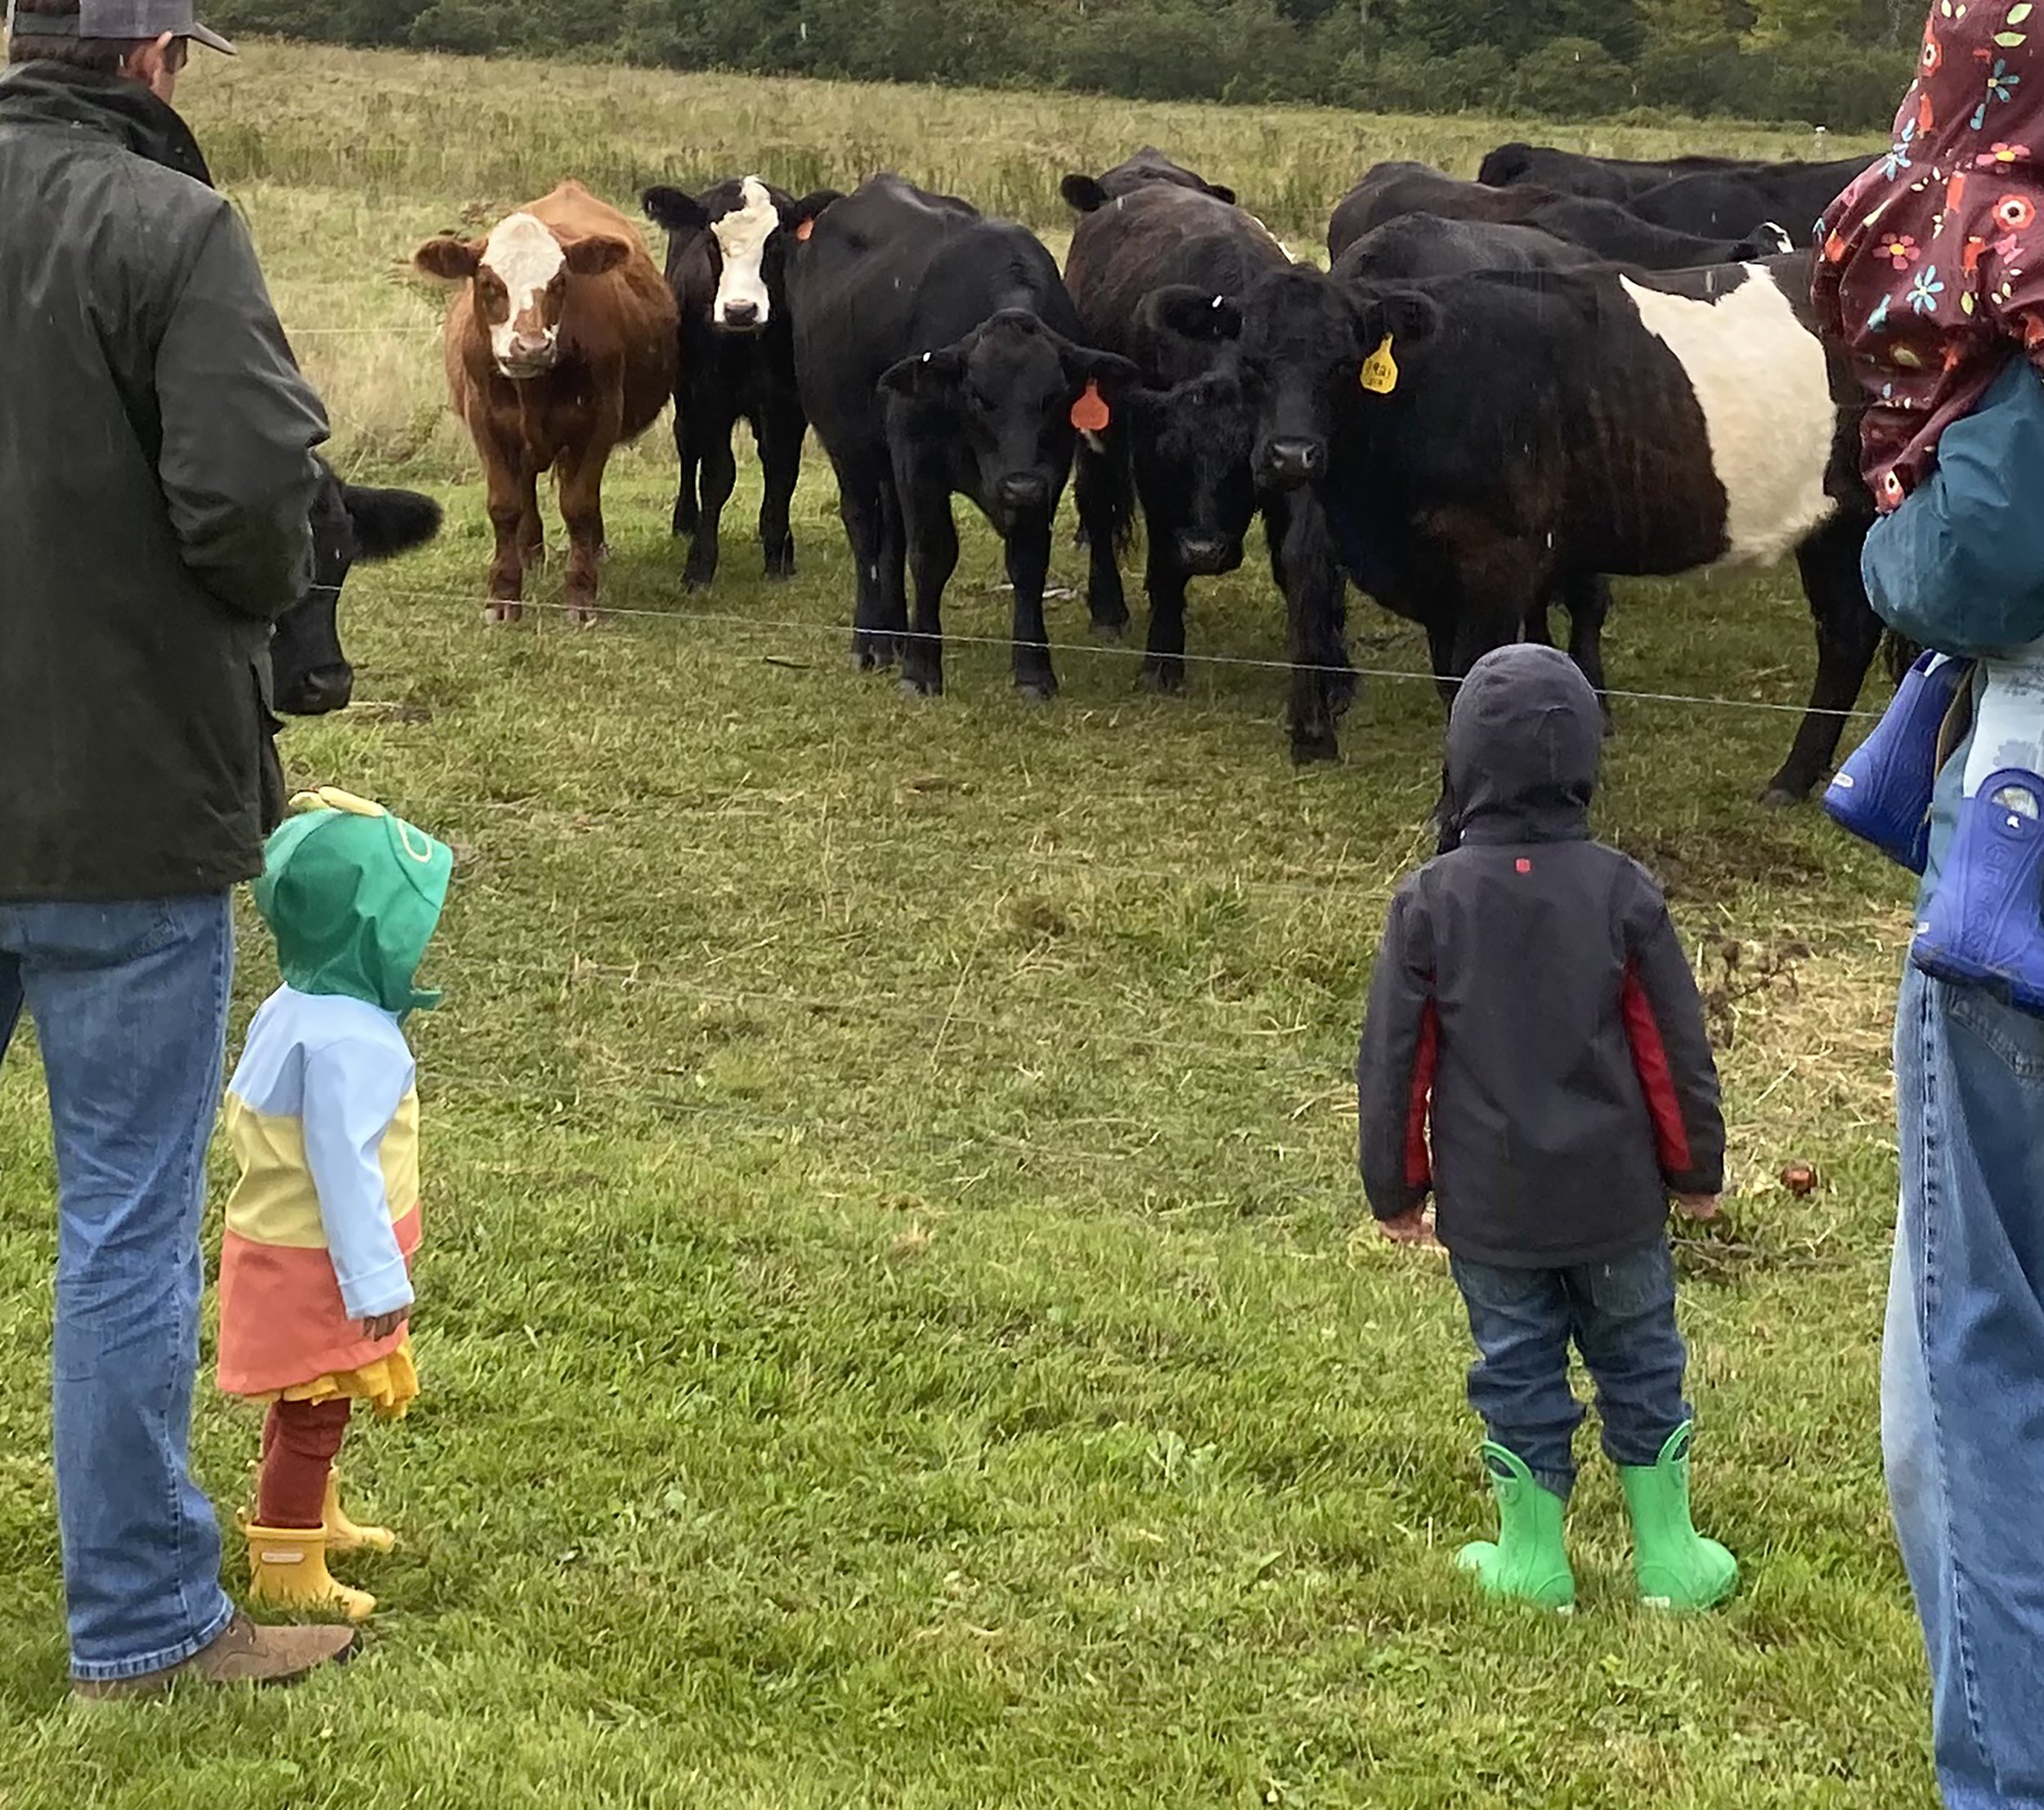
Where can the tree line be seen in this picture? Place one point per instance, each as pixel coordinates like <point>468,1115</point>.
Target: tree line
<point>1840,64</point>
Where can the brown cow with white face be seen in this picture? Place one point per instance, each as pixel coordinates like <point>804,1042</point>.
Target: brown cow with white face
<point>561,347</point>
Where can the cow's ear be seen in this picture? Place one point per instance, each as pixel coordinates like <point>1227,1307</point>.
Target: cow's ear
<point>1114,377</point>
<point>1192,313</point>
<point>932,377</point>
<point>675,209</point>
<point>389,522</point>
<point>595,255</point>
<point>1405,316</point>
<point>802,219</point>
<point>450,259</point>
<point>1083,193</point>
<point>1221,192</point>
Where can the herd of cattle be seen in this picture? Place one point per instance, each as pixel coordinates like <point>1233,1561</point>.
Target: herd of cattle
<point>1503,393</point>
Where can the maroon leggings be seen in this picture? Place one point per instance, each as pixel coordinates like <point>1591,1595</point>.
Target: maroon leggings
<point>300,1441</point>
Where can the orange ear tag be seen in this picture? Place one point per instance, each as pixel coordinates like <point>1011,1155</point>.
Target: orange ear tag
<point>1380,371</point>
<point>1091,414</point>
<point>804,227</point>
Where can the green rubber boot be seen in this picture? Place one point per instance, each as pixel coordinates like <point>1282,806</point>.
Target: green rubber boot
<point>1528,1559</point>
<point>1676,1566</point>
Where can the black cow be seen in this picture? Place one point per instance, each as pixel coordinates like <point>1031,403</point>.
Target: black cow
<point>727,259</point>
<point>1598,178</point>
<point>1089,194</point>
<point>1146,273</point>
<point>311,675</point>
<point>1518,429</point>
<point>1736,201</point>
<point>1419,246</point>
<point>938,354</point>
<point>1599,225</point>
<point>1604,227</point>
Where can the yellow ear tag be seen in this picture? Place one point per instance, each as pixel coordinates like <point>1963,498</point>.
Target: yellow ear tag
<point>1380,371</point>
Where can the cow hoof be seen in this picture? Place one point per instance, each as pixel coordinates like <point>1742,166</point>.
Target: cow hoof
<point>1166,681</point>
<point>494,616</point>
<point>921,688</point>
<point>1778,797</point>
<point>695,581</point>
<point>1036,691</point>
<point>1113,631</point>
<point>872,653</point>
<point>1309,750</point>
<point>780,571</point>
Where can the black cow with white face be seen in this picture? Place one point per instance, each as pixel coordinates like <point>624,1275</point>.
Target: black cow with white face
<point>1472,441</point>
<point>311,674</point>
<point>1152,270</point>
<point>1605,227</point>
<point>939,355</point>
<point>727,263</point>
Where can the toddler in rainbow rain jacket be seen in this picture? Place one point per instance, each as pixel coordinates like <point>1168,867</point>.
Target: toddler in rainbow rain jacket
<point>314,1284</point>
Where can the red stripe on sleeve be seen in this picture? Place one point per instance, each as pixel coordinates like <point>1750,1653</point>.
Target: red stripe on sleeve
<point>1656,1079</point>
<point>1426,1059</point>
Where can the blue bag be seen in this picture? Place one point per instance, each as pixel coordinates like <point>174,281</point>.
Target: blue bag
<point>1960,565</point>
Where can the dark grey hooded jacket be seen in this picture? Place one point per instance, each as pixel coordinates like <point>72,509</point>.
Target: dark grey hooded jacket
<point>1534,1054</point>
<point>155,480</point>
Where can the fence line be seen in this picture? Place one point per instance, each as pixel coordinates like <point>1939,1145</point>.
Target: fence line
<point>840,631</point>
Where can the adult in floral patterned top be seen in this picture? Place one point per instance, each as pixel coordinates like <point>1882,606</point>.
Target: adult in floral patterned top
<point>1931,275</point>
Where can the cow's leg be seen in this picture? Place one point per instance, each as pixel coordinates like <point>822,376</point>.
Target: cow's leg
<point>1303,556</point>
<point>1028,571</point>
<point>511,495</point>
<point>1848,637</point>
<point>1588,602</point>
<point>719,472</point>
<point>686,513</point>
<point>1164,663</point>
<point>779,428</point>
<point>1538,630</point>
<point>862,483</point>
<point>932,556</point>
<point>582,513</point>
<point>1100,491</point>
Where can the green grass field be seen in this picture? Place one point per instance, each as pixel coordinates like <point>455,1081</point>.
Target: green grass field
<point>898,1317</point>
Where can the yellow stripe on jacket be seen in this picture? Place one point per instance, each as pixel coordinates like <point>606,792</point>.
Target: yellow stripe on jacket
<point>274,1203</point>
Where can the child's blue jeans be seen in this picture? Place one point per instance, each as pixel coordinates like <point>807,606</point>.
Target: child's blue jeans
<point>1621,1316</point>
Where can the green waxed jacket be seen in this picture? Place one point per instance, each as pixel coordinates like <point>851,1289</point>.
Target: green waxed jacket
<point>155,480</point>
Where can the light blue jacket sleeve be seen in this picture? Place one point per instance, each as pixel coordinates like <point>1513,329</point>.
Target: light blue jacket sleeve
<point>352,1091</point>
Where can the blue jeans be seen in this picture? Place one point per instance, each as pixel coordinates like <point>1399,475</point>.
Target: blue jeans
<point>130,1004</point>
<point>1621,1316</point>
<point>1962,1378</point>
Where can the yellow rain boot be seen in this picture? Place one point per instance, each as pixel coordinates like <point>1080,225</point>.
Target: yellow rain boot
<point>344,1536</point>
<point>287,1570</point>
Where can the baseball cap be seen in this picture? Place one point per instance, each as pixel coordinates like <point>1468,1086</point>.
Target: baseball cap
<point>142,19</point>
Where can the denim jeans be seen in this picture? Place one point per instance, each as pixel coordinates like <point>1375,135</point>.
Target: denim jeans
<point>130,1005</point>
<point>1962,1379</point>
<point>1621,1316</point>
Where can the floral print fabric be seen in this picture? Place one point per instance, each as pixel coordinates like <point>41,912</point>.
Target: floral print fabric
<point>1931,267</point>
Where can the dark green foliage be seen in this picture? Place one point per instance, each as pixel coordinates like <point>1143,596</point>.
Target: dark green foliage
<point>1841,64</point>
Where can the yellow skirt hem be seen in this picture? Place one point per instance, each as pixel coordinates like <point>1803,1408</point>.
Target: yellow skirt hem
<point>389,1384</point>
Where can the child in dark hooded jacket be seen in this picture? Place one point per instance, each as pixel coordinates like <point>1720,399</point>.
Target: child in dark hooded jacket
<point>1534,1058</point>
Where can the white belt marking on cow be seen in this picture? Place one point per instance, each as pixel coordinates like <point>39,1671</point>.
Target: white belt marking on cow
<point>1760,380</point>
<point>523,252</point>
<point>742,236</point>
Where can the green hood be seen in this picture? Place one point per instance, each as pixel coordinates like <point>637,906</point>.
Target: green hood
<point>352,895</point>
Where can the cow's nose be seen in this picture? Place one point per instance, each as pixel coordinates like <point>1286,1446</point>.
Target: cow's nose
<point>323,690</point>
<point>1024,490</point>
<point>741,314</point>
<point>529,345</point>
<point>1294,461</point>
<point>1203,552</point>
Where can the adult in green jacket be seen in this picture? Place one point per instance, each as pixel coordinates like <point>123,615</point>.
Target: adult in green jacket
<point>155,479</point>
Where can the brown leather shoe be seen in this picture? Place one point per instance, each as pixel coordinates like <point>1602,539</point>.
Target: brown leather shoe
<point>245,1653</point>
